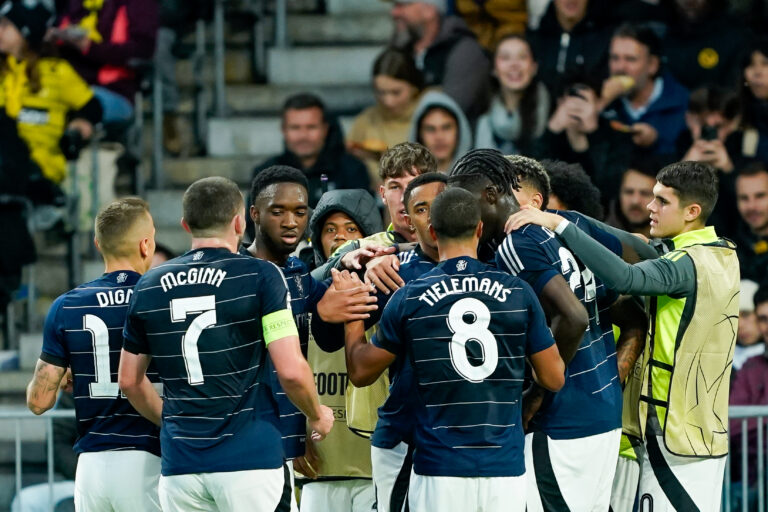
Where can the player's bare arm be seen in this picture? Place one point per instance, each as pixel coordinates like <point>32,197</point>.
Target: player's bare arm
<point>133,381</point>
<point>42,390</point>
<point>365,362</point>
<point>299,384</point>
<point>549,368</point>
<point>633,322</point>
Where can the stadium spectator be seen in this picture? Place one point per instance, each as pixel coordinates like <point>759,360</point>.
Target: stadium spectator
<point>519,110</point>
<point>42,92</point>
<point>162,254</point>
<point>703,43</point>
<point>711,117</point>
<point>629,211</point>
<point>576,133</point>
<point>643,100</point>
<point>572,39</point>
<point>397,85</point>
<point>751,140</point>
<point>101,38</point>
<point>341,216</point>
<point>314,144</point>
<point>440,125</point>
<point>749,388</point>
<point>571,189</point>
<point>493,21</point>
<point>446,51</point>
<point>751,236</point>
<point>748,340</point>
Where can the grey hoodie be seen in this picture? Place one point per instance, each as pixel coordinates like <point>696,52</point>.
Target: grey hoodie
<point>358,204</point>
<point>436,98</point>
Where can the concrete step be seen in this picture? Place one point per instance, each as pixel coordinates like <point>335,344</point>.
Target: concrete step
<point>358,6</point>
<point>241,136</point>
<point>344,28</point>
<point>237,69</point>
<point>328,65</point>
<point>181,172</point>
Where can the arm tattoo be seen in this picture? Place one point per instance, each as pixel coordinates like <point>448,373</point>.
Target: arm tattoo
<point>45,384</point>
<point>628,348</point>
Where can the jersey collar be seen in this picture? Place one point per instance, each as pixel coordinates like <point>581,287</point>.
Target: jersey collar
<point>705,235</point>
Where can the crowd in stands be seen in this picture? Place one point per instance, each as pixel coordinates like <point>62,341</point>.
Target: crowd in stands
<point>610,91</point>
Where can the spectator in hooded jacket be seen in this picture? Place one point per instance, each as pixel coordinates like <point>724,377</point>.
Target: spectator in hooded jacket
<point>640,98</point>
<point>100,38</point>
<point>703,45</point>
<point>440,125</point>
<point>397,85</point>
<point>572,38</point>
<point>519,110</point>
<point>445,50</point>
<point>315,145</point>
<point>750,141</point>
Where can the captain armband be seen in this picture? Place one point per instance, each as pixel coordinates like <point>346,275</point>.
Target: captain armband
<point>278,324</point>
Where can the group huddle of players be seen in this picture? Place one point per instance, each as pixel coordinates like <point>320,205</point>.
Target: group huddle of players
<point>193,389</point>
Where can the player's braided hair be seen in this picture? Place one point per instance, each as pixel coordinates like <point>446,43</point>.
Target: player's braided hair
<point>489,164</point>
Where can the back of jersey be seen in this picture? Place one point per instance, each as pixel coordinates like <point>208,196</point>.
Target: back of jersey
<point>202,318</point>
<point>467,329</point>
<point>83,331</point>
<point>590,401</point>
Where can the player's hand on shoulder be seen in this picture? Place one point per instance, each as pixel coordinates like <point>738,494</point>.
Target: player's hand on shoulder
<point>531,215</point>
<point>382,272</point>
<point>348,299</point>
<point>355,260</point>
<point>322,426</point>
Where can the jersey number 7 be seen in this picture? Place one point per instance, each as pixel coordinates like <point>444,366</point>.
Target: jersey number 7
<point>180,308</point>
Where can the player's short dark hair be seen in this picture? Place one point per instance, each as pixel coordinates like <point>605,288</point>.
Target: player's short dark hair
<point>401,160</point>
<point>423,179</point>
<point>761,295</point>
<point>454,214</point>
<point>694,182</point>
<point>276,174</point>
<point>209,205</point>
<point>489,164</point>
<point>532,173</point>
<point>574,188</point>
<point>304,101</point>
<point>643,33</point>
<point>116,219</point>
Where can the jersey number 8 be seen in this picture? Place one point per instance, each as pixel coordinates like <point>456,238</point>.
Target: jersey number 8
<point>475,331</point>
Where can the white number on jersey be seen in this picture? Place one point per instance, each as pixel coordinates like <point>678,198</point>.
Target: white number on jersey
<point>477,331</point>
<point>205,306</point>
<point>103,387</point>
<point>577,277</point>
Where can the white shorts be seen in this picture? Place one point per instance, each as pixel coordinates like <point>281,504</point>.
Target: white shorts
<point>256,490</point>
<point>669,482</point>
<point>391,471</point>
<point>292,485</point>
<point>625,483</point>
<point>117,480</point>
<point>463,494</point>
<point>571,474</point>
<point>338,496</point>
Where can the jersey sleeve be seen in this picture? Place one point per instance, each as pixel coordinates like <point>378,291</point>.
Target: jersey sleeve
<point>134,333</point>
<point>390,333</point>
<point>54,349</point>
<point>276,317</point>
<point>539,336</point>
<point>593,229</point>
<point>524,258</point>
<point>75,93</point>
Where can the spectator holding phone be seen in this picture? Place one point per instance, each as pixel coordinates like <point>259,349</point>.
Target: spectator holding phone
<point>712,115</point>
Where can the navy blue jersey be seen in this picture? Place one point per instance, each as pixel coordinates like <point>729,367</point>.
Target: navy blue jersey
<point>466,329</point>
<point>396,416</point>
<point>206,318</point>
<point>305,292</point>
<point>590,401</point>
<point>83,330</point>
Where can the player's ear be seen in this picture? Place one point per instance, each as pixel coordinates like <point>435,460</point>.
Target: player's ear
<point>490,195</point>
<point>537,201</point>
<point>692,212</point>
<point>381,194</point>
<point>254,212</point>
<point>479,230</point>
<point>238,224</point>
<point>185,226</point>
<point>432,233</point>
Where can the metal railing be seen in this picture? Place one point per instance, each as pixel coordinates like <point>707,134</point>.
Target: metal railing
<point>21,416</point>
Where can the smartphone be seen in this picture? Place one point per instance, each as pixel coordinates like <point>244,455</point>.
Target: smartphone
<point>575,90</point>
<point>708,132</point>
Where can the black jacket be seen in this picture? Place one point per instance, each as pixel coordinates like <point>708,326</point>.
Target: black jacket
<point>343,170</point>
